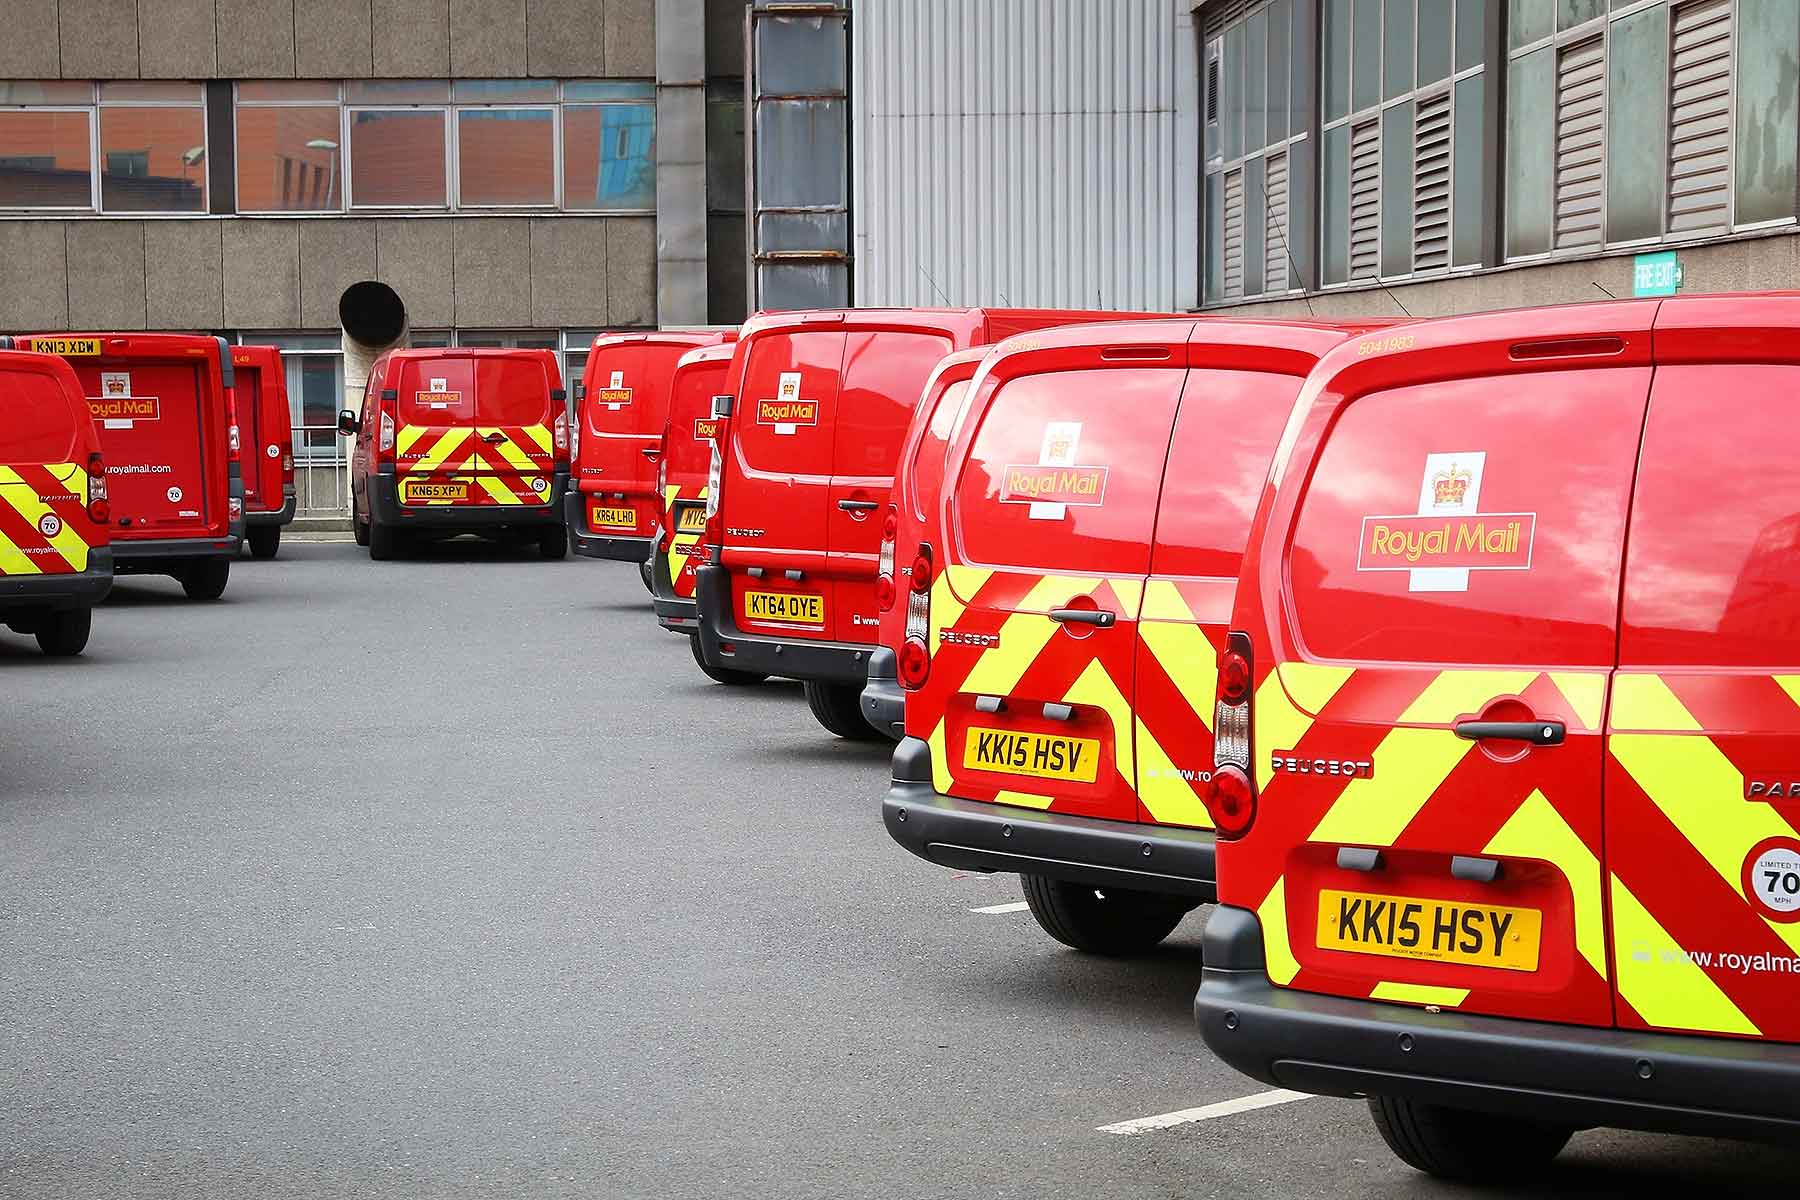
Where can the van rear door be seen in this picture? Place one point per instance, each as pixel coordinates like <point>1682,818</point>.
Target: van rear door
<point>514,458</point>
<point>248,402</point>
<point>622,414</point>
<point>434,448</point>
<point>153,433</point>
<point>43,486</point>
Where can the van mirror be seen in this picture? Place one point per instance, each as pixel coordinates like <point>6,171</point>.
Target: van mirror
<point>721,407</point>
<point>580,390</point>
<point>558,395</point>
<point>348,425</point>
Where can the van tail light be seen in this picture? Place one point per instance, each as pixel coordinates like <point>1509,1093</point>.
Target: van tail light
<point>99,505</point>
<point>559,433</point>
<point>574,440</point>
<point>234,508</point>
<point>287,467</point>
<point>884,571</point>
<point>715,478</point>
<point>914,660</point>
<point>386,443</point>
<point>1230,795</point>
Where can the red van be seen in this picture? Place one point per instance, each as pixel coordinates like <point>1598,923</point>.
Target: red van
<point>55,554</point>
<point>456,441</point>
<point>903,524</point>
<point>822,401</point>
<point>1064,611</point>
<point>265,445</point>
<point>621,407</point>
<point>1508,724</point>
<point>176,490</point>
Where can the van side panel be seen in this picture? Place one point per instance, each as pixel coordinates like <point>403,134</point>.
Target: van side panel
<point>687,455</point>
<point>622,415</point>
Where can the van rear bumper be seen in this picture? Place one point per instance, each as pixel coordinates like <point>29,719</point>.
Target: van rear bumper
<point>56,592</point>
<point>160,556</point>
<point>599,545</point>
<point>883,700</point>
<point>829,662</point>
<point>273,516</point>
<point>1567,1074</point>
<point>385,507</point>
<point>970,835</point>
<point>677,614</point>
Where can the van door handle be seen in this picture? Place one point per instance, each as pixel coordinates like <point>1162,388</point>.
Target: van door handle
<point>1538,733</point>
<point>650,452</point>
<point>1103,617</point>
<point>495,438</point>
<point>858,505</point>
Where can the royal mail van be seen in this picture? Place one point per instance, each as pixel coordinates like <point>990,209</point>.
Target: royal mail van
<point>820,404</point>
<point>621,409</point>
<point>457,441</point>
<point>55,554</point>
<point>1507,730</point>
<point>175,484</point>
<point>1065,607</point>
<point>903,523</point>
<point>265,445</point>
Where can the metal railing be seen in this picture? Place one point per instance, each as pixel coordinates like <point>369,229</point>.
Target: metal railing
<point>321,471</point>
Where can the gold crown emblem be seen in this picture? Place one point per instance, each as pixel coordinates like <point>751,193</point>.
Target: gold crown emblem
<point>115,387</point>
<point>1449,487</point>
<point>1059,447</point>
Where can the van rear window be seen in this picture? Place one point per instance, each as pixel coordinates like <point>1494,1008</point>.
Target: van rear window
<point>1063,472</point>
<point>37,420</point>
<point>1471,521</point>
<point>928,456</point>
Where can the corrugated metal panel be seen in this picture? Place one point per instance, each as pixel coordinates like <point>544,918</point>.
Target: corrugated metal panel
<point>1025,152</point>
<point>1431,183</point>
<point>1365,200</point>
<point>1580,133</point>
<point>1700,116</point>
<point>1275,225</point>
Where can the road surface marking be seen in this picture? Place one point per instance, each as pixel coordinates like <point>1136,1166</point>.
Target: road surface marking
<point>1020,906</point>
<point>1209,1112</point>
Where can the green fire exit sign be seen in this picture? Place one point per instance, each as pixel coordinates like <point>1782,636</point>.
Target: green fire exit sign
<point>1656,274</point>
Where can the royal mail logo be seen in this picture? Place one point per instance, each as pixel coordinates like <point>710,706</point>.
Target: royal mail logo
<point>124,408</point>
<point>1484,542</point>
<point>615,396</point>
<point>1036,483</point>
<point>1450,486</point>
<point>114,386</point>
<point>787,412</point>
<point>706,429</point>
<point>439,398</point>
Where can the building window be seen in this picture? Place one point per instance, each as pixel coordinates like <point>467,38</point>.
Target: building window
<point>290,139</point>
<point>1656,121</point>
<point>609,146</point>
<point>1403,91</point>
<point>116,147</point>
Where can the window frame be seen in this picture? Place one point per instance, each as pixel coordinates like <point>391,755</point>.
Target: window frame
<point>93,120</point>
<point>238,104</point>
<point>555,109</point>
<point>97,101</point>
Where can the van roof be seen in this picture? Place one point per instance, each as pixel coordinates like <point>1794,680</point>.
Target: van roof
<point>667,337</point>
<point>721,352</point>
<point>142,345</point>
<point>963,320</point>
<point>426,354</point>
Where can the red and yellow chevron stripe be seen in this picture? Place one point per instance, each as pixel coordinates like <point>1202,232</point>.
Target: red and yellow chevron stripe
<point>498,464</point>
<point>43,519</point>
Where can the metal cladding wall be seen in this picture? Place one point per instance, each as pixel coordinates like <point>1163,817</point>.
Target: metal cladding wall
<point>1025,152</point>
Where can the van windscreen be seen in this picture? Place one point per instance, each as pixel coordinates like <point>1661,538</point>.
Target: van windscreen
<point>37,421</point>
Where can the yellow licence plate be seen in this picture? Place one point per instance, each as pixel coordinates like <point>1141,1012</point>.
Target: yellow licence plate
<point>691,520</point>
<point>1449,931</point>
<point>413,491</point>
<point>1042,755</point>
<point>617,518</point>
<point>67,347</point>
<point>795,608</point>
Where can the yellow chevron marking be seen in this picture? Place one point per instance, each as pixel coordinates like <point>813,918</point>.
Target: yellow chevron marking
<point>539,434</point>
<point>24,500</point>
<point>1537,831</point>
<point>1190,662</point>
<point>671,493</point>
<point>1419,993</point>
<point>1023,636</point>
<point>1024,800</point>
<point>434,458</point>
<point>1163,602</point>
<point>1789,684</point>
<point>1702,795</point>
<point>1279,955</point>
<point>14,561</point>
<point>946,608</point>
<point>1279,725</point>
<point>1586,693</point>
<point>497,489</point>
<point>408,437</point>
<point>509,450</point>
<point>1096,688</point>
<point>1170,798</point>
<point>941,779</point>
<point>1658,980</point>
<point>1131,596</point>
<point>1645,702</point>
<point>1309,685</point>
<point>1456,694</point>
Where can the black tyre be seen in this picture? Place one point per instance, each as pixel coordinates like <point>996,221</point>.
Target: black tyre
<point>1454,1143</point>
<point>644,574</point>
<point>264,540</point>
<point>205,579</point>
<point>65,634</point>
<point>1112,922</point>
<point>359,528</point>
<point>384,542</point>
<point>553,542</point>
<point>838,707</point>
<point>724,675</point>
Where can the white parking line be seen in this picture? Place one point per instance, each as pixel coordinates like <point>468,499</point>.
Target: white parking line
<point>1223,1108</point>
<point>1020,906</point>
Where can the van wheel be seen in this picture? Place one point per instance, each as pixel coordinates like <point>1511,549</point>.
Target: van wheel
<point>838,707</point>
<point>553,542</point>
<point>724,675</point>
<point>384,542</point>
<point>64,634</point>
<point>359,529</point>
<point>1112,922</point>
<point>1454,1143</point>
<point>264,540</point>
<point>205,578</point>
<point>644,574</point>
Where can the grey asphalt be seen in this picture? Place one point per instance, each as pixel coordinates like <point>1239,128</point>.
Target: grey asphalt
<point>454,877</point>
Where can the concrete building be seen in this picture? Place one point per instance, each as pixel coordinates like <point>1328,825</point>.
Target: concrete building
<point>519,172</point>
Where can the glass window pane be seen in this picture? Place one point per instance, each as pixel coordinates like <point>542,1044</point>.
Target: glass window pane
<point>1337,204</point>
<point>396,91</point>
<point>502,91</point>
<point>1232,119</point>
<point>1768,71</point>
<point>1570,13</point>
<point>288,159</point>
<point>397,158</point>
<point>1365,79</point>
<point>506,156</point>
<point>1529,20</point>
<point>1397,189</point>
<point>1215,237</point>
<point>1397,64</point>
<point>1434,40</point>
<point>32,91</point>
<point>1336,57</point>
<point>1528,153</point>
<point>429,339</point>
<point>1256,121</point>
<point>153,159</point>
<point>1279,42</point>
<point>1470,176</point>
<point>157,93</point>
<point>1637,62</point>
<point>290,91</point>
<point>1299,52</point>
<point>608,89</point>
<point>45,160</point>
<point>725,154</point>
<point>1256,207</point>
<point>609,156</point>
<point>1471,33</point>
<point>294,341</point>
